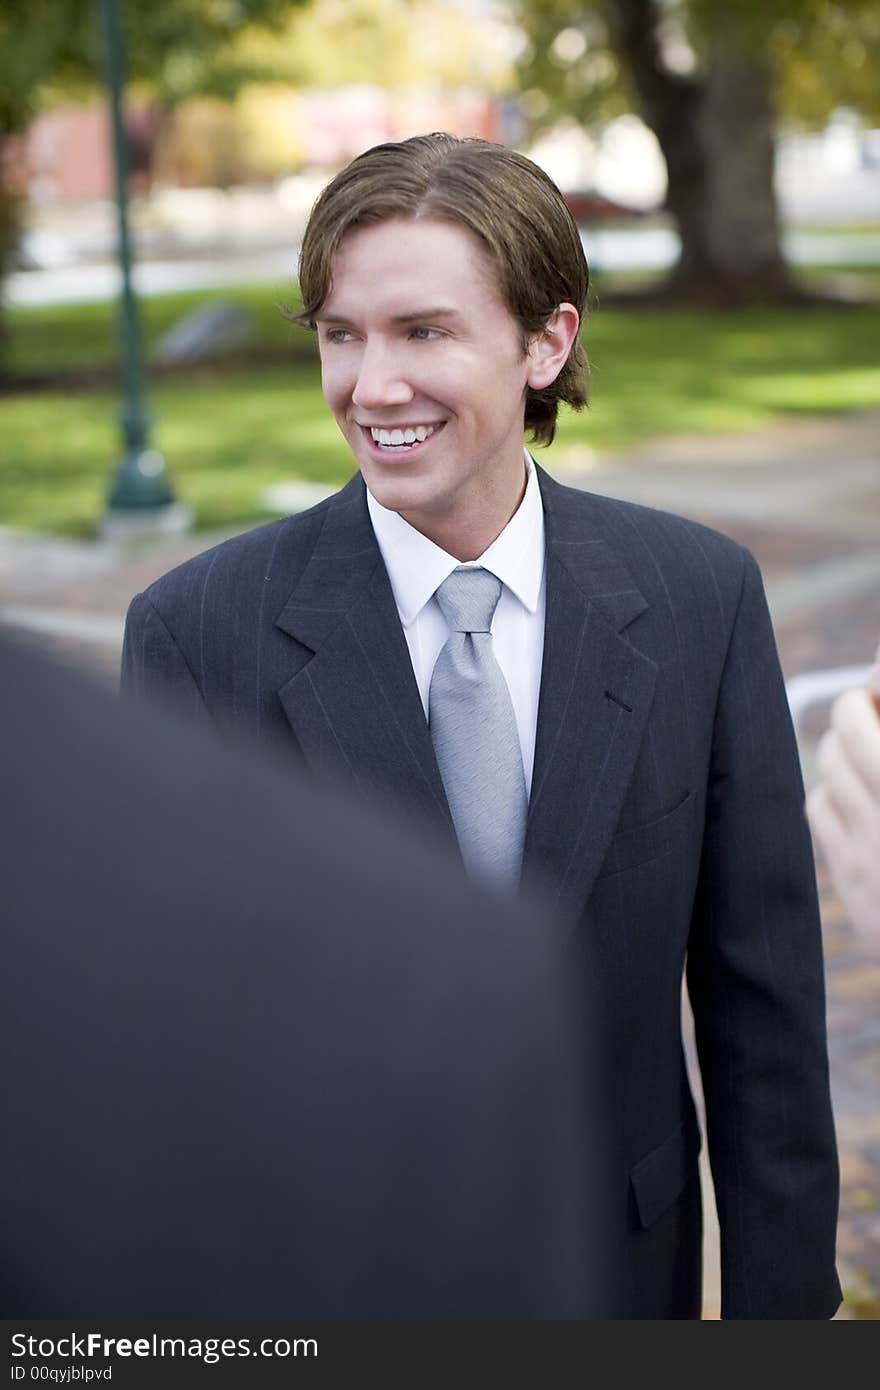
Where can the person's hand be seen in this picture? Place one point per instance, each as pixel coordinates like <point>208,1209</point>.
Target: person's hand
<point>844,806</point>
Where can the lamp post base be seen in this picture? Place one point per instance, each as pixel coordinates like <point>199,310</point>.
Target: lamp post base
<point>123,524</point>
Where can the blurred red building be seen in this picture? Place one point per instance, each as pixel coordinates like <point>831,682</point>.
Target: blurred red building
<point>66,155</point>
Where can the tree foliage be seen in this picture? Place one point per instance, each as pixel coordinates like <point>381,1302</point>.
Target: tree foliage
<point>822,54</point>
<point>181,47</point>
<point>394,44</point>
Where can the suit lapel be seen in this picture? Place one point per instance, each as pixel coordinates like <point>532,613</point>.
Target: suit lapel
<point>352,698</point>
<point>353,703</point>
<point>596,692</point>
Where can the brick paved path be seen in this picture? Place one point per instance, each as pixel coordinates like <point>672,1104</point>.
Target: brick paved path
<point>805,498</point>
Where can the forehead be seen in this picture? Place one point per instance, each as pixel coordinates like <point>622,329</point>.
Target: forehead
<point>395,264</point>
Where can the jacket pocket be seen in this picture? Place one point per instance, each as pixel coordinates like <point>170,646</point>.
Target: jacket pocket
<point>643,843</point>
<point>661,1175</point>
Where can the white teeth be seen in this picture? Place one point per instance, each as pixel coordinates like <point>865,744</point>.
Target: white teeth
<point>394,438</point>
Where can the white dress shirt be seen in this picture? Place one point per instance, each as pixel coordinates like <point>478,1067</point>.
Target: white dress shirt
<point>417,567</point>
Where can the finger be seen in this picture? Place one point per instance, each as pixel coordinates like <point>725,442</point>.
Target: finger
<point>855,721</point>
<point>826,824</point>
<point>844,787</point>
<point>853,863</point>
<point>874,676</point>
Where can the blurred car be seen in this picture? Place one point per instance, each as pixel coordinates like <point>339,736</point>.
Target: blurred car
<point>588,205</point>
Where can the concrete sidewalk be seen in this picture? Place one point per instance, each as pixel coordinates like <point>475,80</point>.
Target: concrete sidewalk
<point>805,498</point>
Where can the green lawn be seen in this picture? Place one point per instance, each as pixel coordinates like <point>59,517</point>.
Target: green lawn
<point>80,335</point>
<point>229,432</point>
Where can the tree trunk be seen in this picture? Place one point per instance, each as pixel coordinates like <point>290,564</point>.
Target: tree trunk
<point>716,132</point>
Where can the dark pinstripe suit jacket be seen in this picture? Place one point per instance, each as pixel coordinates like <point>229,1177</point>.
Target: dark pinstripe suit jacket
<point>666,818</point>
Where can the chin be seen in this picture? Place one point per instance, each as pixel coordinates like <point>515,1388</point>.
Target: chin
<point>398,494</point>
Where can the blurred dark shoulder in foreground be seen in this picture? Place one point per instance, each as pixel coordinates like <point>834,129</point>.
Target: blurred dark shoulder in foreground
<point>267,1055</point>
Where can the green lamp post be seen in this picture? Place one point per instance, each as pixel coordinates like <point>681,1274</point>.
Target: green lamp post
<point>140,501</point>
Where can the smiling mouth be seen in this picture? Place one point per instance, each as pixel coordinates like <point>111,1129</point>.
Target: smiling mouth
<point>401,439</point>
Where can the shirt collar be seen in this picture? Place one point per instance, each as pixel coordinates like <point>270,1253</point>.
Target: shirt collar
<point>417,567</point>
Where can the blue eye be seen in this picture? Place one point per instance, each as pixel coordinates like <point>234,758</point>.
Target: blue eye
<point>424,335</point>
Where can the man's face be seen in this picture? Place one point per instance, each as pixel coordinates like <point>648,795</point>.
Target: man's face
<point>423,368</point>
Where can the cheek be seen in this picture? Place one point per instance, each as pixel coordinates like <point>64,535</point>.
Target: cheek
<point>336,385</point>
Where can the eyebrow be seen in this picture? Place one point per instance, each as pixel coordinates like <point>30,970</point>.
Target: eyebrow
<point>416,316</point>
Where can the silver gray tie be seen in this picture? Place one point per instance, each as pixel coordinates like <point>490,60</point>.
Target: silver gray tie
<point>473,728</point>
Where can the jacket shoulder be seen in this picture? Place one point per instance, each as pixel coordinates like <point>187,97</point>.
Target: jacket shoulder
<point>662,550</point>
<point>254,557</point>
<point>620,517</point>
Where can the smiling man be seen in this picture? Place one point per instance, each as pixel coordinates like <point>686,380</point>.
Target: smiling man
<point>582,695</point>
<point>426,372</point>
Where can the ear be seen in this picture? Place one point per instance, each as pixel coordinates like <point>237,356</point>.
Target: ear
<point>548,350</point>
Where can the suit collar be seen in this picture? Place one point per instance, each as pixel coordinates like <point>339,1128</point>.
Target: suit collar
<point>575,540</point>
<point>346,557</point>
<point>354,705</point>
<point>417,567</point>
<point>343,562</point>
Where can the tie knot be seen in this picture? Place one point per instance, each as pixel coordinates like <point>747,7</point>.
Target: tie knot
<point>468,599</point>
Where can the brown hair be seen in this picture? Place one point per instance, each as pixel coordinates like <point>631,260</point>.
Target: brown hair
<point>508,202</point>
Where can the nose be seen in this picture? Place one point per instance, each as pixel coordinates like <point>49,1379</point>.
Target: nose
<point>380,379</point>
